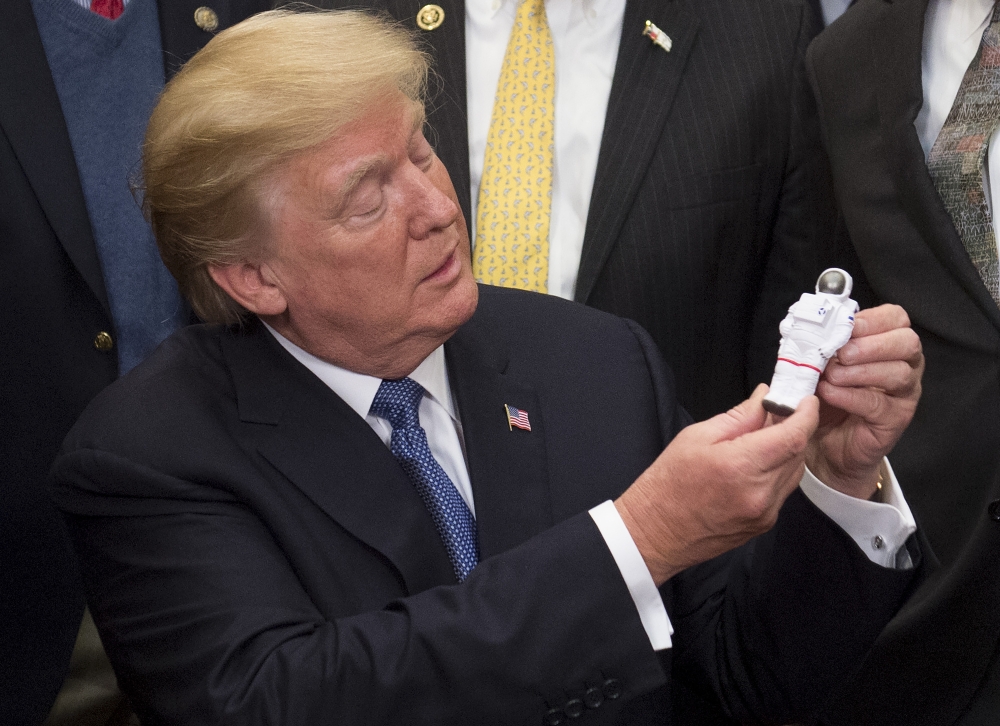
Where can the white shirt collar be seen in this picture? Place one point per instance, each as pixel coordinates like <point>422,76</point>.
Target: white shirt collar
<point>960,19</point>
<point>358,390</point>
<point>975,15</point>
<point>592,10</point>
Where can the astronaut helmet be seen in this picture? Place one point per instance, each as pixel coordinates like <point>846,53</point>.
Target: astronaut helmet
<point>836,283</point>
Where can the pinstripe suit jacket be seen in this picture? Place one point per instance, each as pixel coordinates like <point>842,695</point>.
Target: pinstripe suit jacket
<point>711,198</point>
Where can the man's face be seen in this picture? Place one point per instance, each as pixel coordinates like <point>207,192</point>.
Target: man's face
<point>369,247</point>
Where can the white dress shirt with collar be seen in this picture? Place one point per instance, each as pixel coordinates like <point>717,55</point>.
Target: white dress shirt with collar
<point>585,34</point>
<point>953,30</point>
<point>890,523</point>
<point>833,9</point>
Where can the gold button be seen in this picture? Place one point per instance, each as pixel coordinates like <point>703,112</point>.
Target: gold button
<point>103,341</point>
<point>430,17</point>
<point>206,19</point>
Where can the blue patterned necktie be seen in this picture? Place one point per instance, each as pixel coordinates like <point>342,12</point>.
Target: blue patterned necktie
<point>398,403</point>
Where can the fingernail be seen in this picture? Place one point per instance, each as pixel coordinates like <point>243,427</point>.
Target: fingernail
<point>849,351</point>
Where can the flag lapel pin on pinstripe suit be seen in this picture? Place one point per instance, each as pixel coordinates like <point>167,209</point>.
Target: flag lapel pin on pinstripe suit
<point>658,36</point>
<point>516,417</point>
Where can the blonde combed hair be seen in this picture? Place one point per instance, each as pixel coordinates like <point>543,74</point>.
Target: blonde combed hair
<point>258,94</point>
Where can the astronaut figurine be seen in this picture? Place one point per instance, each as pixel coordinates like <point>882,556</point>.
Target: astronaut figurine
<point>816,327</point>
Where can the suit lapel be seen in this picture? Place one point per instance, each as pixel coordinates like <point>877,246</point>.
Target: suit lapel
<point>324,448</point>
<point>642,91</point>
<point>32,120</point>
<point>507,467</point>
<point>446,108</point>
<point>896,41</point>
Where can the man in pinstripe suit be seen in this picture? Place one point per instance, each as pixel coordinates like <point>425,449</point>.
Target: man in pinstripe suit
<point>706,200</point>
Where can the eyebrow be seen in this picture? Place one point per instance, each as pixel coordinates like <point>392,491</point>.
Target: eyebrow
<point>376,163</point>
<point>357,176</point>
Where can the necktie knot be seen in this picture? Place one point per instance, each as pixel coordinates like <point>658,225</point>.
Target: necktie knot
<point>398,402</point>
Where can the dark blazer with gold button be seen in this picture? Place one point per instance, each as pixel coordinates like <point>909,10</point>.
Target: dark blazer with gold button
<point>711,206</point>
<point>253,554</point>
<point>53,306</point>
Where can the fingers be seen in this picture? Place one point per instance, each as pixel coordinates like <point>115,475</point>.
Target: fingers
<point>895,344</point>
<point>868,404</point>
<point>873,321</point>
<point>895,377</point>
<point>880,367</point>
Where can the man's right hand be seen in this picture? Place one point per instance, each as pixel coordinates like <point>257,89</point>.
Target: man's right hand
<point>718,484</point>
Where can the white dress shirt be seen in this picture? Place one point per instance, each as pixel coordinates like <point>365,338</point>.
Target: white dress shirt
<point>833,9</point>
<point>863,521</point>
<point>585,34</point>
<point>953,30</point>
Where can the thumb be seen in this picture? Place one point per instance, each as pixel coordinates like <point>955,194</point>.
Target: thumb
<point>773,446</point>
<point>739,420</point>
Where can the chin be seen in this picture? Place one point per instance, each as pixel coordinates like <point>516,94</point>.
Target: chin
<point>454,309</point>
<point>461,301</point>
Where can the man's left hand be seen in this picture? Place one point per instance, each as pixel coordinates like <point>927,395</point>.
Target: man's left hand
<point>868,396</point>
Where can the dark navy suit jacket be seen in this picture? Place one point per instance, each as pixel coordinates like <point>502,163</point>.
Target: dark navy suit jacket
<point>253,553</point>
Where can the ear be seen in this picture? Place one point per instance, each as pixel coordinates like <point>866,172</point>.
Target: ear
<point>251,285</point>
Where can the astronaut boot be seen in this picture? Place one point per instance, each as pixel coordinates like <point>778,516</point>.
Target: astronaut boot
<point>790,384</point>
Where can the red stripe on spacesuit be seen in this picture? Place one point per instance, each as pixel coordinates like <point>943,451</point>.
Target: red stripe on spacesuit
<point>801,365</point>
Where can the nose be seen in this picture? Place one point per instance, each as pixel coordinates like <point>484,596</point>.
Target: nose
<point>433,207</point>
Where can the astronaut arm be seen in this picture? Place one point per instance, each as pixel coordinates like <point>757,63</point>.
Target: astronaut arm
<point>785,326</point>
<point>841,332</point>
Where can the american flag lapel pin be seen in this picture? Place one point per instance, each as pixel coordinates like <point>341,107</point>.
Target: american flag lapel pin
<point>516,417</point>
<point>658,36</point>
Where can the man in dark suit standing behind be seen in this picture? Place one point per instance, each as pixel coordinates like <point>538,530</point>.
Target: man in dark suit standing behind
<point>909,97</point>
<point>689,192</point>
<point>83,294</point>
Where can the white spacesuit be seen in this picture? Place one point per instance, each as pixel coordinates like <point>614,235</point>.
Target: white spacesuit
<point>816,327</point>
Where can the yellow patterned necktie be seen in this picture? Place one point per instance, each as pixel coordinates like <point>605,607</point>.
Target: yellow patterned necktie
<point>515,194</point>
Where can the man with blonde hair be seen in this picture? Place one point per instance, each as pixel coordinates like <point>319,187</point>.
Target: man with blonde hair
<point>379,493</point>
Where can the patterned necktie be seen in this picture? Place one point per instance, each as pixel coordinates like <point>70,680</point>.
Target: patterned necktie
<point>957,157</point>
<point>398,403</point>
<point>515,194</point>
<point>110,9</point>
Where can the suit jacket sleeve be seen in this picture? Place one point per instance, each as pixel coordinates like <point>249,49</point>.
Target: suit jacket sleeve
<point>766,631</point>
<point>207,623</point>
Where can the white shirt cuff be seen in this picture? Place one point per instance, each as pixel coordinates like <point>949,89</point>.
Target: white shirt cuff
<point>641,587</point>
<point>879,528</point>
